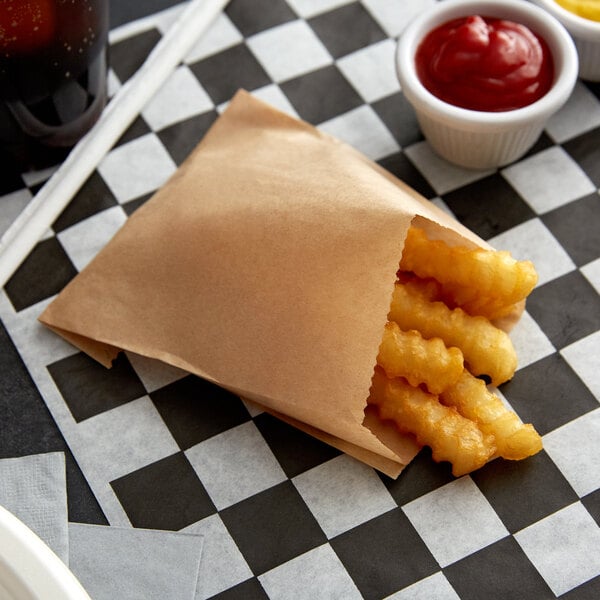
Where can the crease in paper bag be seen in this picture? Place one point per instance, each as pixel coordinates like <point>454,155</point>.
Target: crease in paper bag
<point>266,265</point>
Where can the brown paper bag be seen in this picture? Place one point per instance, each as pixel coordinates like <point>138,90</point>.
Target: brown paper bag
<point>266,265</point>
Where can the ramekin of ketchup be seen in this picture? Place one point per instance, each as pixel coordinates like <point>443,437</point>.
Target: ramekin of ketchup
<point>581,18</point>
<point>484,77</point>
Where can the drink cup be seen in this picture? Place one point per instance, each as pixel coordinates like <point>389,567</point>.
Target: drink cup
<point>53,67</point>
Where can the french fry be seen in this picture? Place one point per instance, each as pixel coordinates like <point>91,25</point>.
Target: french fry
<point>482,282</point>
<point>450,436</point>
<point>514,439</point>
<point>487,350</point>
<point>407,354</point>
<point>439,338</point>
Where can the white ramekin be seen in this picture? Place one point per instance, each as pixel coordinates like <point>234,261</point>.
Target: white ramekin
<point>479,139</point>
<point>585,34</point>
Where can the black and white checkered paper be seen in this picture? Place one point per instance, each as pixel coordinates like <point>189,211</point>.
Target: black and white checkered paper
<point>283,515</point>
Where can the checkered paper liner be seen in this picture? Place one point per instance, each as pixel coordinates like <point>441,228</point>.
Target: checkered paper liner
<point>283,515</point>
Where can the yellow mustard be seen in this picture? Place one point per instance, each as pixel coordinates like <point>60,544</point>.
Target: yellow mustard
<point>588,9</point>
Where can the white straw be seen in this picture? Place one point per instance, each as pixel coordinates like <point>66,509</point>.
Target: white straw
<point>37,217</point>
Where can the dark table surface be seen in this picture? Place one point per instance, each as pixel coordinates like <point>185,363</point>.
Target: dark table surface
<point>536,532</point>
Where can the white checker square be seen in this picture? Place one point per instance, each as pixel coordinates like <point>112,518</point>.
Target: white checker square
<point>591,271</point>
<point>530,342</point>
<point>311,8</point>
<point>289,50</point>
<point>32,178</point>
<point>154,374</point>
<point>343,493</point>
<point>559,547</point>
<point>435,586</point>
<point>113,84</point>
<point>455,520</point>
<point>364,130</point>
<point>533,241</point>
<point>235,465</point>
<point>582,356</point>
<point>393,16</point>
<point>575,449</point>
<point>12,206</point>
<point>580,114</point>
<point>222,565</point>
<point>371,70</point>
<point>37,344</point>
<point>253,408</point>
<point>222,34</point>
<point>548,179</point>
<point>443,206</point>
<point>180,97</point>
<point>442,175</point>
<point>318,573</point>
<point>149,441</point>
<point>272,95</point>
<point>137,168</point>
<point>85,239</point>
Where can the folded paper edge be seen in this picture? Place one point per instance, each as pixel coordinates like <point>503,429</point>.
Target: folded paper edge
<point>391,468</point>
<point>104,353</point>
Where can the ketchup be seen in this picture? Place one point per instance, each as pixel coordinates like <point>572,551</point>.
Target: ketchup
<point>485,64</point>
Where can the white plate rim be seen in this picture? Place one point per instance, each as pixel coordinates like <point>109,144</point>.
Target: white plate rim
<point>29,569</point>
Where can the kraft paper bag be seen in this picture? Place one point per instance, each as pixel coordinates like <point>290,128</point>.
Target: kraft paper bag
<point>266,265</point>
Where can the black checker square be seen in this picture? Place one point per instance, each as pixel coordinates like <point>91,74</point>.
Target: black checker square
<point>548,393</point>
<point>166,494</point>
<point>503,206</point>
<point>93,197</point>
<point>498,571</point>
<point>89,388</point>
<point>576,226</point>
<point>295,450</point>
<point>256,16</point>
<point>420,476</point>
<point>321,95</point>
<point>272,527</point>
<point>585,150</point>
<point>132,205</point>
<point>346,29</point>
<point>248,590</point>
<point>542,143</point>
<point>594,87</point>
<point>222,74</point>
<point>523,492</point>
<point>137,129</point>
<point>400,118</point>
<point>590,590</point>
<point>368,550</point>
<point>182,137</point>
<point>592,504</point>
<point>567,309</point>
<point>399,165</point>
<point>44,273</point>
<point>128,55</point>
<point>195,410</point>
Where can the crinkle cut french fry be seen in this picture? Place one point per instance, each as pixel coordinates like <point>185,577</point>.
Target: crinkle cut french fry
<point>487,350</point>
<point>482,282</point>
<point>450,436</point>
<point>514,439</point>
<point>407,354</point>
